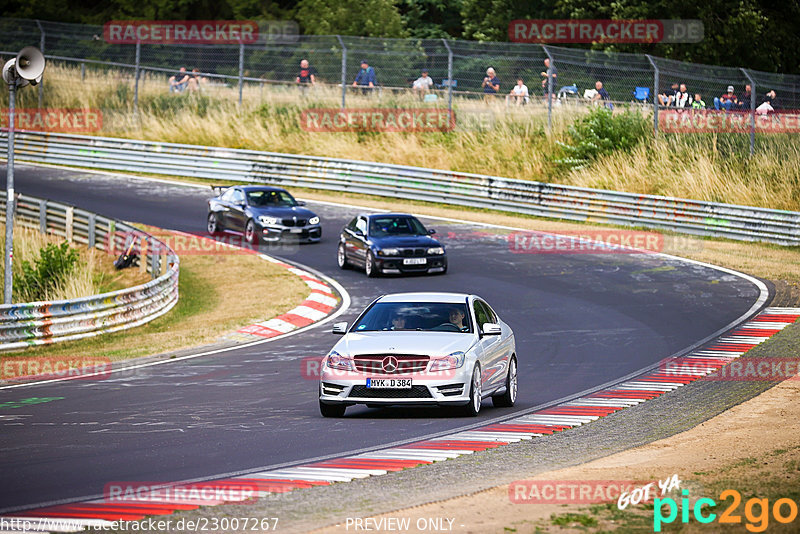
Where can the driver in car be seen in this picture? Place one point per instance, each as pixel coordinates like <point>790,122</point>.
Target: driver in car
<point>398,322</point>
<point>457,318</point>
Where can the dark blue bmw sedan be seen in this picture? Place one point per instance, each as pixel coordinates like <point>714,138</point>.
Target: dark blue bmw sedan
<point>390,243</point>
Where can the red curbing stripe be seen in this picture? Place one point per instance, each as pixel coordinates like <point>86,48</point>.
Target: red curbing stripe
<point>360,466</point>
<point>258,330</point>
<point>377,462</point>
<point>297,320</point>
<point>328,293</point>
<point>535,428</point>
<point>579,410</point>
<point>174,505</point>
<point>288,482</point>
<point>455,445</point>
<point>776,318</point>
<point>316,305</point>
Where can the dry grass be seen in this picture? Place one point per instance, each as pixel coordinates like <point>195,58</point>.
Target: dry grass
<point>94,274</point>
<point>218,294</point>
<point>489,138</point>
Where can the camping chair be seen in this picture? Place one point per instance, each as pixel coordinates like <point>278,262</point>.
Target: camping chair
<point>567,92</point>
<point>641,94</point>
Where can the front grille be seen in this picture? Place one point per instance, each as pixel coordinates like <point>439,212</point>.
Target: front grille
<point>414,392</point>
<point>406,363</point>
<point>412,252</point>
<point>293,222</point>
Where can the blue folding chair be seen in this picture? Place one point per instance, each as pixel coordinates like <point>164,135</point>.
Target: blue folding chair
<point>641,94</point>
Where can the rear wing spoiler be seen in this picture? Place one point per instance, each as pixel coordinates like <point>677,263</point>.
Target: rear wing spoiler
<point>218,189</point>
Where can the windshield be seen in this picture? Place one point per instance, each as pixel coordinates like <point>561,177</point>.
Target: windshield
<point>416,316</point>
<point>270,199</point>
<point>394,225</point>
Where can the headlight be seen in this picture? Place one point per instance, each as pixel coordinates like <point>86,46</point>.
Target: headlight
<point>337,361</point>
<point>451,361</point>
<point>263,219</point>
<point>313,220</point>
<point>435,250</point>
<point>388,252</point>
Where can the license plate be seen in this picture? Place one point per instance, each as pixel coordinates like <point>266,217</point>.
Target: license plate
<point>296,230</point>
<point>389,383</point>
<point>414,261</point>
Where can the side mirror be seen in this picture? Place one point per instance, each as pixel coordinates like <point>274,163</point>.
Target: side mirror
<point>339,328</point>
<point>431,231</point>
<point>301,202</point>
<point>491,329</point>
<point>359,232</point>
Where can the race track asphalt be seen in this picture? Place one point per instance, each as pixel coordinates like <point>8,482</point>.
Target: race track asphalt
<point>580,320</point>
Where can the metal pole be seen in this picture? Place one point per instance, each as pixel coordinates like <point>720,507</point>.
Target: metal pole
<point>449,77</point>
<point>9,255</point>
<point>83,71</point>
<point>655,95</point>
<point>752,111</point>
<point>41,48</point>
<point>136,78</point>
<point>241,71</point>
<point>549,91</point>
<point>344,71</point>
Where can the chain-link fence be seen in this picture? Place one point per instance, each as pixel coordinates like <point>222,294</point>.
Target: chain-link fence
<point>555,77</point>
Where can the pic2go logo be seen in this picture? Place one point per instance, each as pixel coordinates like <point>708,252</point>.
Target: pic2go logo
<point>756,511</point>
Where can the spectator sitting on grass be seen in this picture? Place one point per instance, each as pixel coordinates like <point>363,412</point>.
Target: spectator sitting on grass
<point>682,97</point>
<point>726,101</point>
<point>698,102</point>
<point>365,78</point>
<point>668,97</point>
<point>195,79</point>
<point>744,103</point>
<point>519,92</point>
<point>422,84</point>
<point>491,84</point>
<point>178,82</point>
<point>769,105</point>
<point>602,95</point>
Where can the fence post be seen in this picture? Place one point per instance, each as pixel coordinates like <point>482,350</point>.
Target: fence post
<point>655,94</point>
<point>449,77</point>
<point>41,48</point>
<point>344,71</point>
<point>43,216</point>
<point>69,223</point>
<point>83,71</point>
<point>752,111</point>
<point>135,78</point>
<point>549,91</point>
<point>241,71</point>
<point>92,224</point>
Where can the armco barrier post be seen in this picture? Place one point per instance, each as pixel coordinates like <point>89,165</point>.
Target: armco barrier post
<point>91,222</point>
<point>344,70</point>
<point>753,94</point>
<point>43,216</point>
<point>655,95</point>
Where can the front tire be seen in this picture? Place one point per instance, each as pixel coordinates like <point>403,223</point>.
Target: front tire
<point>341,257</point>
<point>474,407</point>
<point>370,267</point>
<point>250,234</point>
<point>212,224</point>
<point>331,410</point>
<point>508,398</point>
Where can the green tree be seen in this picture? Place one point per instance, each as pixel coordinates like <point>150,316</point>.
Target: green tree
<point>368,18</point>
<point>431,19</point>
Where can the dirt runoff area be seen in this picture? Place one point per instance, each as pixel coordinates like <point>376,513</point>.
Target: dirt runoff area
<point>753,448</point>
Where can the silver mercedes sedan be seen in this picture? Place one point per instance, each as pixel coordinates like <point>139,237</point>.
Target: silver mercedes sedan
<point>440,349</point>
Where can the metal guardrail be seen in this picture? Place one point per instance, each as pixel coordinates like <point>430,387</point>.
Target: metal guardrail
<point>414,183</point>
<point>38,323</point>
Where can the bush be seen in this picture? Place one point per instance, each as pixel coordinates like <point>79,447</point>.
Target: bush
<point>50,270</point>
<point>602,132</point>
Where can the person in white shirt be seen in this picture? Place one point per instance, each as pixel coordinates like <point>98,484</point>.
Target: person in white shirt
<point>422,84</point>
<point>519,93</point>
<point>682,97</point>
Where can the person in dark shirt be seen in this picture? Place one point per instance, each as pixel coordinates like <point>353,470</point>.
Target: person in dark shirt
<point>553,75</point>
<point>179,81</point>
<point>491,84</point>
<point>307,74</point>
<point>602,95</point>
<point>744,103</point>
<point>365,78</point>
<point>667,98</point>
